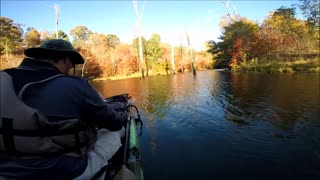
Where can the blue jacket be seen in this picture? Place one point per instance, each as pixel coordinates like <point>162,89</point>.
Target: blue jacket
<point>61,98</point>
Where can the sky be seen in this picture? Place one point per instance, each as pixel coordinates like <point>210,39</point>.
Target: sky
<point>170,19</point>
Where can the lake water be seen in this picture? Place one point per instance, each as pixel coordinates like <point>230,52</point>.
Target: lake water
<point>224,125</point>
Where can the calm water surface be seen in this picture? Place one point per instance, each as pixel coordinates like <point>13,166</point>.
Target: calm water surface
<point>222,125</point>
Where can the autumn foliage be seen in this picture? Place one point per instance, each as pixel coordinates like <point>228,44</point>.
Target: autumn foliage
<point>105,56</point>
<point>91,68</point>
<point>281,37</point>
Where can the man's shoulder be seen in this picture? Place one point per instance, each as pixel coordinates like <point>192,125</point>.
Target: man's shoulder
<point>72,81</point>
<point>9,70</point>
<point>74,78</point>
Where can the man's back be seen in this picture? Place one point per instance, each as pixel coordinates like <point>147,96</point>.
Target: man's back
<point>62,99</point>
<point>59,99</point>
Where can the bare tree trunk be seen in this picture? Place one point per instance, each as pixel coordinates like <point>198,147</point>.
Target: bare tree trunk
<point>182,58</point>
<point>139,16</point>
<point>56,7</point>
<point>167,66</point>
<point>191,55</point>
<point>0,62</point>
<point>226,4</point>
<point>7,53</point>
<point>294,37</point>
<point>141,56</point>
<point>172,59</point>
<point>113,62</point>
<point>83,67</point>
<point>85,62</point>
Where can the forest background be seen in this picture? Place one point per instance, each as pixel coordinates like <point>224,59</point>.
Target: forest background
<point>281,43</point>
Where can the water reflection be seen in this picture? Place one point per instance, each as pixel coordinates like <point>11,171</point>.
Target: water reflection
<point>221,120</point>
<point>281,99</point>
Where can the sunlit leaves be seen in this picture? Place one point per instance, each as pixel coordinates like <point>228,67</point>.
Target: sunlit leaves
<point>10,35</point>
<point>135,44</point>
<point>280,33</point>
<point>61,35</point>
<point>112,40</point>
<point>92,68</point>
<point>153,50</point>
<point>44,35</point>
<point>236,42</point>
<point>290,31</point>
<point>32,38</point>
<point>80,33</point>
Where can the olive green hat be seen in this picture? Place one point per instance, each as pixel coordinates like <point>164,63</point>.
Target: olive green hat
<point>57,46</point>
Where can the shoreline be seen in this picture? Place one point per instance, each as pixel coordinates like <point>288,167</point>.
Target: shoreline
<point>299,66</point>
<point>302,66</point>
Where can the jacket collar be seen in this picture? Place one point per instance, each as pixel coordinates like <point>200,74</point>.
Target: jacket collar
<point>32,64</point>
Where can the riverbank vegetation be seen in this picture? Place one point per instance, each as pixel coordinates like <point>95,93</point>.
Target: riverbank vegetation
<point>281,43</point>
<point>105,56</point>
<point>311,65</point>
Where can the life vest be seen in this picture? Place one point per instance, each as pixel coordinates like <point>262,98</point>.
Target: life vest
<point>27,132</point>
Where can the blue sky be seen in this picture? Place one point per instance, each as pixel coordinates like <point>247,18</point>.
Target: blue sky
<point>167,18</point>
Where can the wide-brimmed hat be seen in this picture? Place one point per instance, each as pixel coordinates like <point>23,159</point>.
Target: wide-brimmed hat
<point>57,46</point>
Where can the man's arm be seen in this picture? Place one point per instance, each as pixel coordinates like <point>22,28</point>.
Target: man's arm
<point>97,111</point>
<point>106,117</point>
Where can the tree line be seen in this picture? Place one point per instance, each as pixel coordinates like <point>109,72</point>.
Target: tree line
<point>280,37</point>
<point>105,55</point>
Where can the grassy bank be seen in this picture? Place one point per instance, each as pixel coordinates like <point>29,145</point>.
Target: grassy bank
<point>135,75</point>
<point>312,65</point>
<point>15,60</point>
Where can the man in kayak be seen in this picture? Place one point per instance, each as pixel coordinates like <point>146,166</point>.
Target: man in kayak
<point>53,133</point>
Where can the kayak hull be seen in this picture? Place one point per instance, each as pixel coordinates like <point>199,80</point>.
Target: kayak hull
<point>126,163</point>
